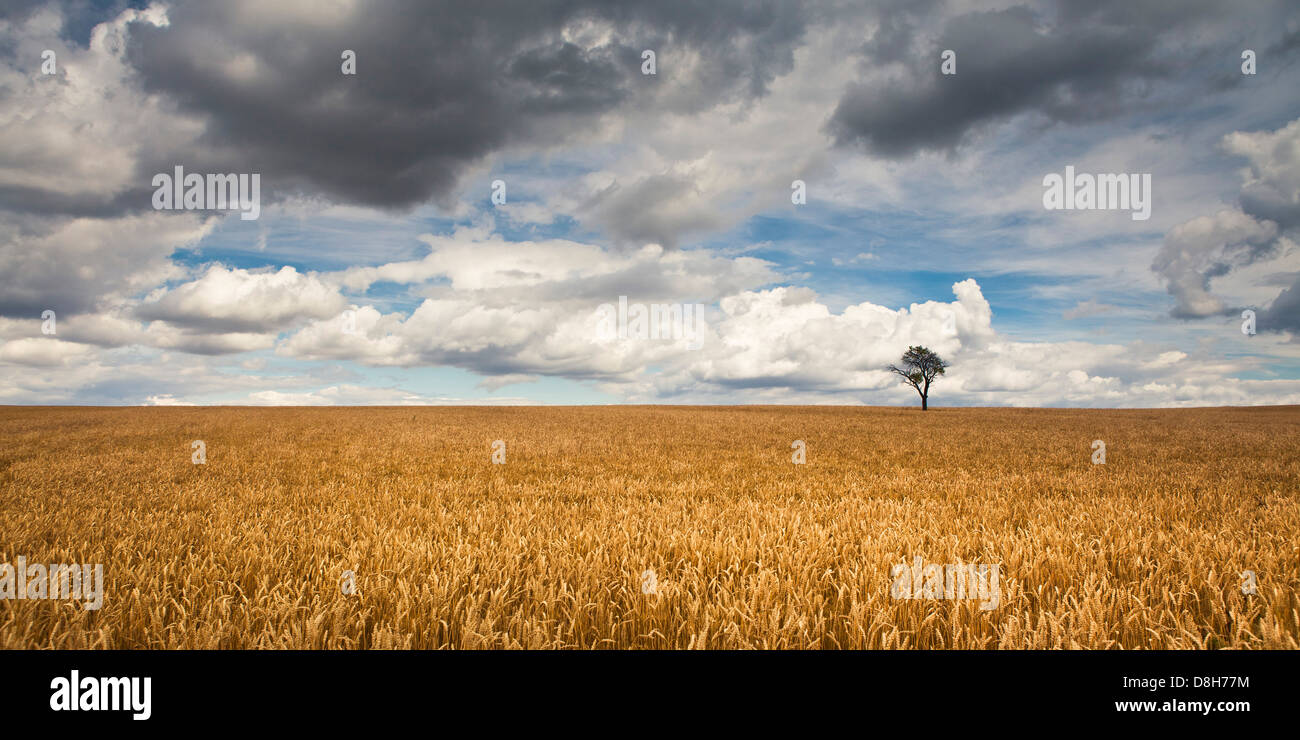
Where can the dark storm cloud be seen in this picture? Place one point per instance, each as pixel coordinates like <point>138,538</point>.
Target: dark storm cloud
<point>1283,314</point>
<point>438,85</point>
<point>1264,201</point>
<point>32,201</point>
<point>1069,62</point>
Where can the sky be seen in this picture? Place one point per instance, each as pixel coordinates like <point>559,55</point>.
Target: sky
<point>453,195</point>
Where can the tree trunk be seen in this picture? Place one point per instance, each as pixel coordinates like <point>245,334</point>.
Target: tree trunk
<point>923,403</point>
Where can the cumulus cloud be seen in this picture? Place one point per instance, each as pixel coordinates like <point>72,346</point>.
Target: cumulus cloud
<point>785,338</point>
<point>1271,180</point>
<point>1271,190</point>
<point>778,337</point>
<point>75,232</point>
<point>83,264</point>
<point>778,344</point>
<point>1263,228</point>
<point>44,352</point>
<point>241,301</point>
<point>121,375</point>
<point>71,143</point>
<point>475,259</point>
<point>1207,247</point>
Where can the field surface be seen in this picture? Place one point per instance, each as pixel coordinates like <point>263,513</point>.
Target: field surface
<point>744,548</point>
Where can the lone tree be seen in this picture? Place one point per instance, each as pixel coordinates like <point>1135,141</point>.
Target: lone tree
<point>920,368</point>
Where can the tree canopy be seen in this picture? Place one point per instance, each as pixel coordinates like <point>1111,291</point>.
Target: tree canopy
<point>920,368</point>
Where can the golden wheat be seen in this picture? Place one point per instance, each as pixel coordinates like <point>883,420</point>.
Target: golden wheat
<point>748,550</point>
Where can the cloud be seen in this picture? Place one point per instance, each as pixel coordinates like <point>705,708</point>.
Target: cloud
<point>1009,62</point>
<point>520,308</point>
<point>1283,314</point>
<point>83,264</point>
<point>785,338</point>
<point>780,345</point>
<point>76,235</point>
<point>1086,309</point>
<point>44,352</point>
<point>455,82</point>
<point>1166,359</point>
<point>1271,180</point>
<point>1208,247</point>
<point>118,376</point>
<point>857,259</point>
<point>1196,252</point>
<point>165,400</point>
<point>242,301</point>
<point>353,395</point>
<point>657,209</point>
<point>475,260</point>
<point>1271,190</point>
<point>1063,62</point>
<point>70,143</point>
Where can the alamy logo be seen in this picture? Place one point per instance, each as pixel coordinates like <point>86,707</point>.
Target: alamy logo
<point>1247,322</point>
<point>671,321</point>
<point>1107,192</point>
<point>951,581</point>
<point>194,192</point>
<point>93,694</point>
<point>55,581</point>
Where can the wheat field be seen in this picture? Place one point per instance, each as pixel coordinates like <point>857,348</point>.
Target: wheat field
<point>747,549</point>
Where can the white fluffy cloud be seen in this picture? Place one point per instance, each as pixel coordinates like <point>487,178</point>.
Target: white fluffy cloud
<point>43,352</point>
<point>88,264</point>
<point>775,344</point>
<point>234,300</point>
<point>76,232</point>
<point>79,132</point>
<point>475,259</point>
